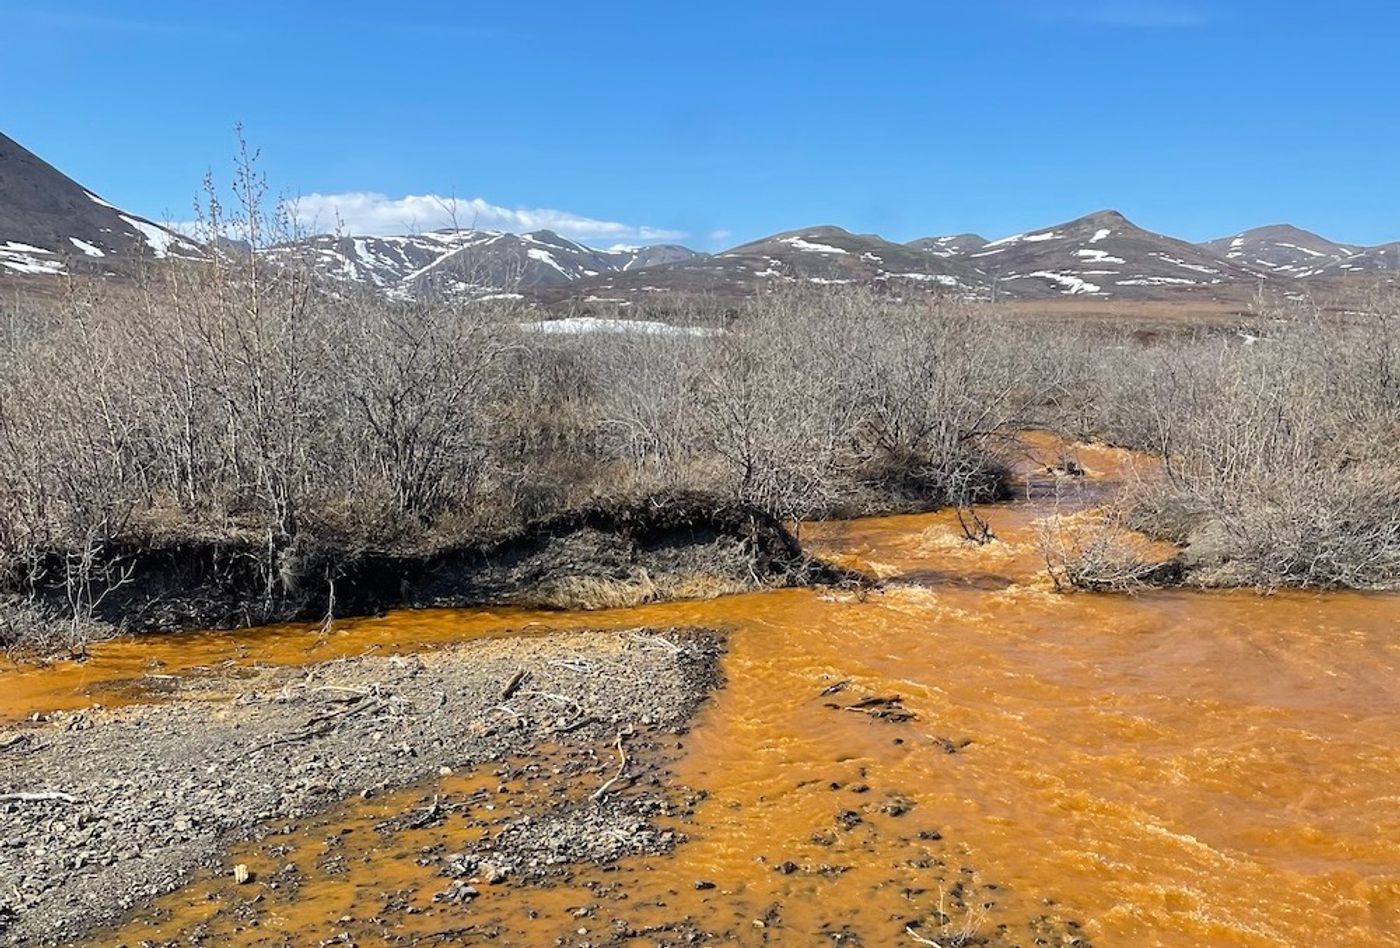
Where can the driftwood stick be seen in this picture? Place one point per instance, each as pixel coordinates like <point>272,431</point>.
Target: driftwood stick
<point>660,640</point>
<point>513,685</point>
<point>621,767</point>
<point>428,814</point>
<point>317,726</point>
<point>46,796</point>
<point>909,930</point>
<point>581,721</point>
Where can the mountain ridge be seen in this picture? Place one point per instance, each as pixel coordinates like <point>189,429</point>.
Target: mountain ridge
<point>52,225</point>
<point>1282,249</point>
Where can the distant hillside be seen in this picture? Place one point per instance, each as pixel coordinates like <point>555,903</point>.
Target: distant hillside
<point>1103,255</point>
<point>467,261</point>
<point>817,256</point>
<point>1368,261</point>
<point>950,246</point>
<point>1281,249</point>
<point>49,224</point>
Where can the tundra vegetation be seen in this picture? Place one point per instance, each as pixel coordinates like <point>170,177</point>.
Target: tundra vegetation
<point>237,401</point>
<point>1280,447</point>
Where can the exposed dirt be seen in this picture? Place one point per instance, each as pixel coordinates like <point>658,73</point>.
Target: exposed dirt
<point>679,546</point>
<point>127,804</point>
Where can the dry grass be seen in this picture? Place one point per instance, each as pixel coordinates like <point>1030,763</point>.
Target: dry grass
<point>593,592</point>
<point>1096,550</point>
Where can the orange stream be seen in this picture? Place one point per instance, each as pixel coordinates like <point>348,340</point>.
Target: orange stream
<point>1173,768</point>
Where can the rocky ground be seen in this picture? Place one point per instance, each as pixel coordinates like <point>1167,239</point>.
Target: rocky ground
<point>103,810</point>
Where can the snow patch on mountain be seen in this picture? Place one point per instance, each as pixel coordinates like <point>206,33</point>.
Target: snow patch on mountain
<point>809,246</point>
<point>24,258</point>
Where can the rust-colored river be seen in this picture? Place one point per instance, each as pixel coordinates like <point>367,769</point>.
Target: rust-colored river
<point>1171,768</point>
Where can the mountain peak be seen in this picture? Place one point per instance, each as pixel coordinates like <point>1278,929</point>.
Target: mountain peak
<point>1100,219</point>
<point>50,224</point>
<point>950,245</point>
<point>1281,248</point>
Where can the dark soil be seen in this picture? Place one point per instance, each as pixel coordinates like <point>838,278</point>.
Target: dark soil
<point>678,546</point>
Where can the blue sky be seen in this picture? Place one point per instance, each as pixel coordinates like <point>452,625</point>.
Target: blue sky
<point>717,122</point>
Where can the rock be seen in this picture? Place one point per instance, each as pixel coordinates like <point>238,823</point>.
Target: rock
<point>241,875</point>
<point>457,892</point>
<point>703,884</point>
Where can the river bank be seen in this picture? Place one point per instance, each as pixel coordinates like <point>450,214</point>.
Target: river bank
<point>667,547</point>
<point>106,809</point>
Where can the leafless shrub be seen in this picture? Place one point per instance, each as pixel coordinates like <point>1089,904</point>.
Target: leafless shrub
<point>821,403</point>
<point>947,931</point>
<point>1095,550</point>
<point>34,631</point>
<point>243,400</point>
<point>1279,445</point>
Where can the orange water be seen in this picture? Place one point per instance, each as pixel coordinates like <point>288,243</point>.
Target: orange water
<point>1174,768</point>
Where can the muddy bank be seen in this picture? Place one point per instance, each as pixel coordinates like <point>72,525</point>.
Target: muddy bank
<point>104,810</point>
<point>676,547</point>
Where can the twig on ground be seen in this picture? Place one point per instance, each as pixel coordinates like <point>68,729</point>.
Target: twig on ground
<point>909,930</point>
<point>621,766</point>
<point>322,723</point>
<point>558,699</point>
<point>514,684</point>
<point>657,640</point>
<point>580,722</point>
<point>46,796</point>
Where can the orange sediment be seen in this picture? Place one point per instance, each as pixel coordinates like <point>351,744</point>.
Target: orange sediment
<point>1177,767</point>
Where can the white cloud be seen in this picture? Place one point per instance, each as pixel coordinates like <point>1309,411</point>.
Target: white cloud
<point>717,236</point>
<point>363,212</point>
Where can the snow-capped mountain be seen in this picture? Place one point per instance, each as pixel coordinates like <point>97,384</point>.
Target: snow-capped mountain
<point>1282,249</point>
<point>49,224</point>
<point>1102,255</point>
<point>833,255</point>
<point>819,256</point>
<point>1368,261</point>
<point>953,246</point>
<point>652,255</point>
<point>380,262</point>
<point>466,261</point>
